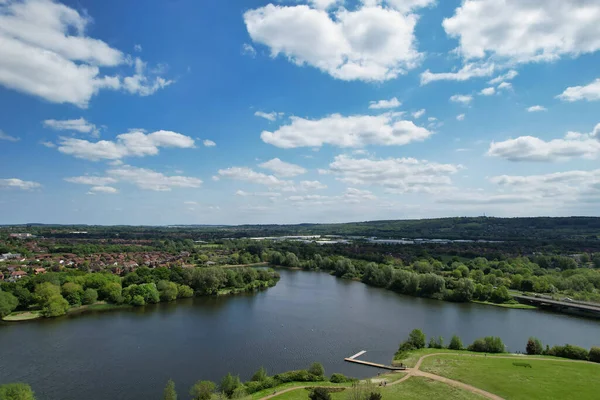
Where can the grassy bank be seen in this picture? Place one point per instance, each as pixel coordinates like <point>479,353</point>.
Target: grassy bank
<point>22,316</point>
<point>98,306</point>
<point>516,306</point>
<point>544,379</point>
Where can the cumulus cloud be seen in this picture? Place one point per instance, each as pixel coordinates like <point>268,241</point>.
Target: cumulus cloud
<point>91,180</point>
<point>137,47</point>
<point>78,125</point>
<point>471,70</point>
<point>208,143</point>
<point>282,168</point>
<point>248,50</point>
<point>397,175</point>
<point>530,148</point>
<point>590,92</point>
<point>5,136</point>
<point>132,144</point>
<point>272,116</point>
<point>391,103</point>
<point>510,75</point>
<point>536,109</point>
<point>460,117</point>
<point>151,180</point>
<point>351,131</point>
<point>488,91</point>
<point>525,31</point>
<point>505,85</point>
<point>50,145</point>
<point>418,114</point>
<point>370,43</point>
<point>142,84</point>
<point>45,52</point>
<point>248,175</point>
<point>241,193</point>
<point>103,189</point>
<point>15,183</point>
<point>461,98</point>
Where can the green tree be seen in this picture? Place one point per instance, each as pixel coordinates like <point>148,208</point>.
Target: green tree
<point>202,390</point>
<point>374,396</point>
<point>167,290</point>
<point>316,369</point>
<point>534,346</point>
<point>455,343</point>
<point>500,295</point>
<point>417,338</point>
<point>90,296</point>
<point>319,394</point>
<point>260,375</point>
<point>72,292</point>
<point>55,306</point>
<point>111,292</point>
<point>169,393</point>
<point>229,383</point>
<point>594,354</point>
<point>16,391</point>
<point>8,303</point>
<point>184,291</point>
<point>137,300</point>
<point>44,291</point>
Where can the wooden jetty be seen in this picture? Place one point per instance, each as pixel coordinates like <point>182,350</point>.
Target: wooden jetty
<point>353,359</point>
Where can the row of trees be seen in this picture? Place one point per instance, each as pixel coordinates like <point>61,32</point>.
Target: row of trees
<point>55,292</point>
<point>534,347</point>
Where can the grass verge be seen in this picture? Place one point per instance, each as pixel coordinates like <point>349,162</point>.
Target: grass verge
<point>22,316</point>
<point>516,306</point>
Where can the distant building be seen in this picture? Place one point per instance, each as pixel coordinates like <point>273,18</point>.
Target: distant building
<point>10,256</point>
<point>18,274</point>
<point>38,271</point>
<point>21,235</point>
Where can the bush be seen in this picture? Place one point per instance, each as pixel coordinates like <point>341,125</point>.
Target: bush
<point>455,343</point>
<point>340,378</point>
<point>319,394</point>
<point>8,303</point>
<point>90,296</point>
<point>300,375</point>
<point>594,354</point>
<point>55,306</point>
<point>489,344</point>
<point>534,346</point>
<point>16,391</point>
<point>316,369</point>
<point>436,343</point>
<point>138,300</point>
<point>569,351</point>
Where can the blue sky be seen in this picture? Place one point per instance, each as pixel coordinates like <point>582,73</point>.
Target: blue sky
<point>247,111</point>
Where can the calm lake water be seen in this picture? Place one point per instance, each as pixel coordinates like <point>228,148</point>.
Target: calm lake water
<point>308,316</point>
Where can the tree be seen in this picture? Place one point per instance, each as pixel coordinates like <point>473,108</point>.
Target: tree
<point>594,354</point>
<point>112,292</point>
<point>417,338</point>
<point>72,292</point>
<point>316,369</point>
<point>184,291</point>
<point>202,390</point>
<point>260,375</point>
<point>138,300</point>
<point>319,394</point>
<point>500,295</point>
<point>90,296</point>
<point>8,302</point>
<point>374,396</point>
<point>534,346</point>
<point>55,306</point>
<point>169,393</point>
<point>168,290</point>
<point>16,391</point>
<point>229,383</point>
<point>455,343</point>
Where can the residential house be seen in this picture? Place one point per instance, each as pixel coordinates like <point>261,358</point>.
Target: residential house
<point>38,271</point>
<point>18,274</point>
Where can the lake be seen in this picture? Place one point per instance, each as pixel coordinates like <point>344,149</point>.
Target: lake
<point>308,316</point>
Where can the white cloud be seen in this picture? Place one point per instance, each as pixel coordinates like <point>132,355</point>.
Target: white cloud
<point>18,184</point>
<point>529,148</point>
<point>272,116</point>
<point>369,43</point>
<point>190,203</point>
<point>92,180</point>
<point>431,119</point>
<point>461,98</point>
<point>132,144</point>
<point>460,117</point>
<point>488,91</point>
<point>248,50</point>
<point>397,175</point>
<point>141,84</point>
<point>510,75</point>
<point>418,114</point>
<point>311,185</point>
<point>248,175</point>
<point>45,52</point>
<point>137,47</point>
<point>241,193</point>
<point>505,85</point>
<point>283,169</point>
<point>536,109</point>
<point>590,92</point>
<point>103,189</point>
<point>152,180</point>
<point>209,143</point>
<point>391,103</point>
<point>525,31</point>
<point>352,195</point>
<point>5,136</point>
<point>471,70</point>
<point>78,125</point>
<point>352,131</point>
<point>50,145</point>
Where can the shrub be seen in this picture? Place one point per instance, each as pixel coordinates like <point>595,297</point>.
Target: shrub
<point>569,351</point>
<point>489,344</point>
<point>534,346</point>
<point>16,391</point>
<point>594,354</point>
<point>90,296</point>
<point>319,394</point>
<point>341,378</point>
<point>316,369</point>
<point>417,338</point>
<point>8,303</point>
<point>138,300</point>
<point>436,343</point>
<point>455,343</point>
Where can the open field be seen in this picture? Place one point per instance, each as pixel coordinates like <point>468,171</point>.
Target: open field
<point>22,316</point>
<point>546,378</point>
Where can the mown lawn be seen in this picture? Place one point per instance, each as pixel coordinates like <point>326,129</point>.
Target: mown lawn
<point>546,379</point>
<point>415,388</point>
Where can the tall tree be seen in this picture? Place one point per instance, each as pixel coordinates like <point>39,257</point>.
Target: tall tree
<point>169,393</point>
<point>202,390</point>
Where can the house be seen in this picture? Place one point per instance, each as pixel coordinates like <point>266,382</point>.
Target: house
<point>21,235</point>
<point>10,256</point>
<point>38,271</point>
<point>18,274</point>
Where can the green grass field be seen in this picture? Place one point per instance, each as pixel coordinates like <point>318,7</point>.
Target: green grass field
<point>414,388</point>
<point>517,306</point>
<point>548,379</point>
<point>22,316</point>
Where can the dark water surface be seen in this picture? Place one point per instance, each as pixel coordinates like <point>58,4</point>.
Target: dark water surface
<point>308,316</point>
